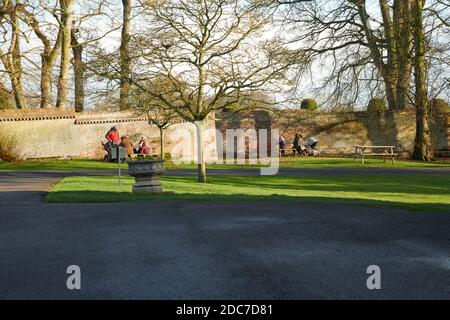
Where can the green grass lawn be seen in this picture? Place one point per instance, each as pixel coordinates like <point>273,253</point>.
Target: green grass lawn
<point>57,165</point>
<point>289,162</point>
<point>413,192</point>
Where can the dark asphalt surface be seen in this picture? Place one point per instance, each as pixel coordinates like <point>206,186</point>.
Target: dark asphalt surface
<point>205,250</point>
<point>237,172</point>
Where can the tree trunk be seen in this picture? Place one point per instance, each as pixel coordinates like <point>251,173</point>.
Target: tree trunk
<point>403,35</point>
<point>391,73</point>
<point>161,142</point>
<point>376,54</point>
<point>19,96</point>
<point>16,82</point>
<point>201,174</point>
<point>396,71</point>
<point>46,83</point>
<point>63,79</point>
<point>48,57</point>
<point>12,60</point>
<point>77,50</point>
<point>422,145</point>
<point>125,55</point>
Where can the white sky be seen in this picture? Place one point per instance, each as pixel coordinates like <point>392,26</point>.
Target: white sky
<point>98,25</point>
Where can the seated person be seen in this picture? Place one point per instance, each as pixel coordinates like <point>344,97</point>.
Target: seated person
<point>282,146</point>
<point>298,144</point>
<point>143,147</point>
<point>125,143</point>
<point>113,136</point>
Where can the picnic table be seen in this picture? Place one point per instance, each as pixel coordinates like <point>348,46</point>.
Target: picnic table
<point>383,151</point>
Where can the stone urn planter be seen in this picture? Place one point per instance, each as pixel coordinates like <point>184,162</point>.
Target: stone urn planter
<point>146,173</point>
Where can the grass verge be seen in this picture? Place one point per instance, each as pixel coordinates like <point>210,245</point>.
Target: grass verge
<point>412,192</point>
<point>289,162</point>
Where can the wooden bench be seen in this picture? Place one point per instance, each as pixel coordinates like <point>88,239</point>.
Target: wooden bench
<point>388,152</point>
<point>284,152</point>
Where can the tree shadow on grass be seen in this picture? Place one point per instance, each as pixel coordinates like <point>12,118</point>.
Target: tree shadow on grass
<point>377,184</point>
<point>90,196</point>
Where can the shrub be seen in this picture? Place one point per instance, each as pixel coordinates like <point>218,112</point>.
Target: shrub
<point>376,105</point>
<point>9,150</point>
<point>440,106</point>
<point>167,156</point>
<point>5,100</point>
<point>232,108</point>
<point>309,104</point>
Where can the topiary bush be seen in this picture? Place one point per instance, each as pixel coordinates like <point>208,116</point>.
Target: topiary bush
<point>376,105</point>
<point>440,106</point>
<point>309,104</point>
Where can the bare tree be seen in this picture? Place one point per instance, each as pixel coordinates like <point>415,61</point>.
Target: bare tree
<point>50,53</point>
<point>374,51</point>
<point>422,147</point>
<point>65,26</point>
<point>85,35</point>
<point>79,69</point>
<point>158,113</point>
<point>125,55</point>
<point>162,118</point>
<point>12,59</point>
<point>212,52</point>
<point>437,16</point>
<point>356,40</point>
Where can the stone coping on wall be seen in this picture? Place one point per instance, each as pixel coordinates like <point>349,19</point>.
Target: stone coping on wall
<point>36,114</point>
<point>110,120</point>
<point>112,117</point>
<point>35,118</point>
<point>80,118</point>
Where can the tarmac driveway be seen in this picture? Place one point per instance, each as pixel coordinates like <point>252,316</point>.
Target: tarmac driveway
<point>213,250</point>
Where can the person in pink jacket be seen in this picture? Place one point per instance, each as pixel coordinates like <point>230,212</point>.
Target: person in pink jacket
<point>143,147</point>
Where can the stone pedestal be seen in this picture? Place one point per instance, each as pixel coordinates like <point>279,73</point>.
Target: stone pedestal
<point>146,173</point>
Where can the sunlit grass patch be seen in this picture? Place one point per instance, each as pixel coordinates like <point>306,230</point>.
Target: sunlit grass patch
<point>414,192</point>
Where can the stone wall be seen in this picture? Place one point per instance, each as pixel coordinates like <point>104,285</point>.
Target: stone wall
<point>56,134</point>
<point>339,132</point>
